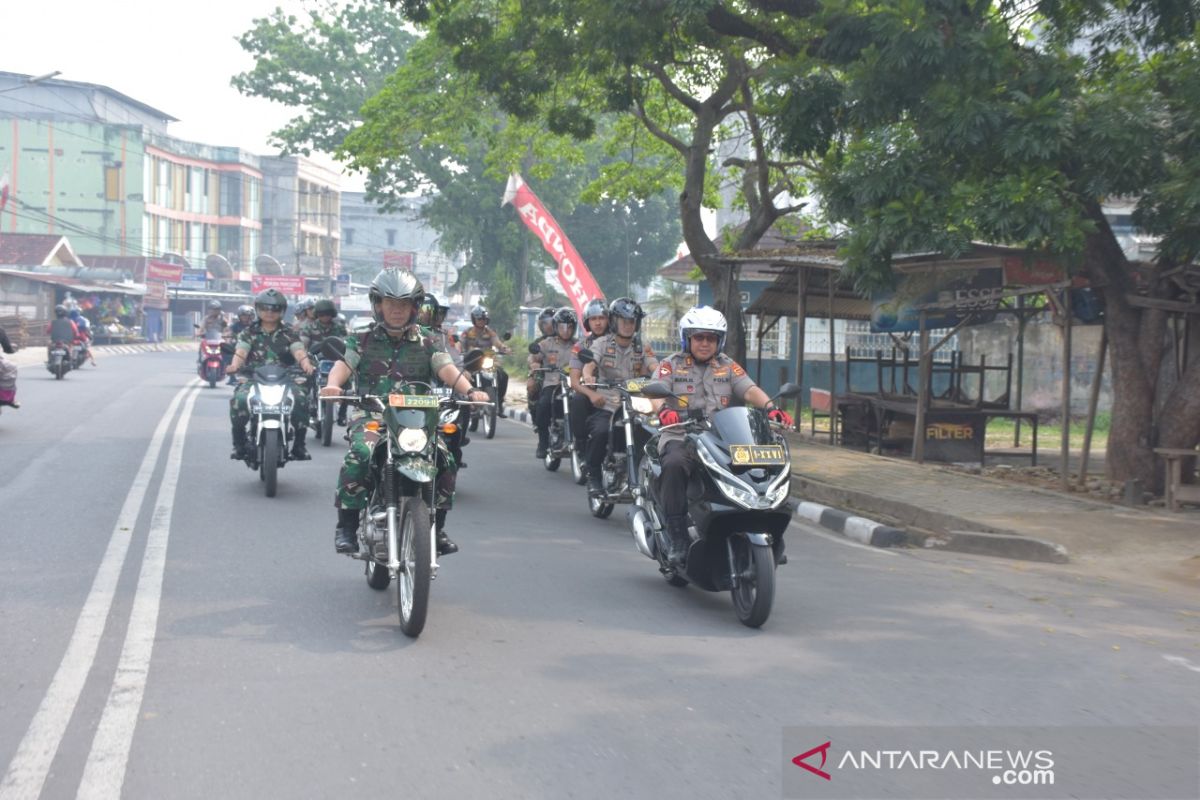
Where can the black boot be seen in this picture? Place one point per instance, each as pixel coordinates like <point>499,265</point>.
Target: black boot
<point>543,444</point>
<point>345,537</point>
<point>299,451</point>
<point>445,545</point>
<point>239,443</point>
<point>678,538</point>
<point>594,483</point>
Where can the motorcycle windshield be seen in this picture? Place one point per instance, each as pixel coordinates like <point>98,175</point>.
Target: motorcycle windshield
<point>270,373</point>
<point>741,425</point>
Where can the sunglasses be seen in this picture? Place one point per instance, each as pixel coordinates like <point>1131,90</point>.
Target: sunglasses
<point>276,309</point>
<point>705,337</point>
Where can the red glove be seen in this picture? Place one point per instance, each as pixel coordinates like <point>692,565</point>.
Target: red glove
<point>668,416</point>
<point>780,416</point>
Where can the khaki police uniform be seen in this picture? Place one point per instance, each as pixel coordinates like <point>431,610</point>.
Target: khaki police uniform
<point>555,355</point>
<point>581,405</point>
<point>615,362</point>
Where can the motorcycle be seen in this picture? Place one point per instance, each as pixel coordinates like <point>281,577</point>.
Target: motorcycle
<point>58,359</point>
<point>735,503</point>
<point>397,531</point>
<point>618,473</point>
<point>211,367</point>
<point>483,378</point>
<point>323,419</point>
<point>78,354</point>
<point>562,440</point>
<point>270,400</point>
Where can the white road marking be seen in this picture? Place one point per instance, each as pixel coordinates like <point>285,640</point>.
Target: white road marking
<point>104,773</point>
<point>812,531</point>
<point>1180,661</point>
<point>28,769</point>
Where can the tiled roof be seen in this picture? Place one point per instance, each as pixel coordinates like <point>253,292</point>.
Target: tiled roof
<point>28,249</point>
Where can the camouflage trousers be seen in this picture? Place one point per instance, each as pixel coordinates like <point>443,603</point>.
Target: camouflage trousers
<point>239,408</point>
<point>354,479</point>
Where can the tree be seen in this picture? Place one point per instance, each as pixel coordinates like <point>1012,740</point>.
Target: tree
<point>669,301</point>
<point>689,73</point>
<point>941,122</point>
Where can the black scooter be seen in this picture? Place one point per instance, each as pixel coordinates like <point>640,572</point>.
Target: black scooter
<point>736,505</point>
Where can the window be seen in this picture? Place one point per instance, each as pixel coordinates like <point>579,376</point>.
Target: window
<point>348,236</point>
<point>774,341</point>
<point>391,237</point>
<point>112,183</point>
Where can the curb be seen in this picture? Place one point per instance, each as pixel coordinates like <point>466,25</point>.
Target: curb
<point>1003,545</point>
<point>859,529</point>
<point>519,416</point>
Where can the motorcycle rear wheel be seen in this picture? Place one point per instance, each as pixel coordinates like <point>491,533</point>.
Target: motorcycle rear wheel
<point>377,575</point>
<point>326,427</point>
<point>270,462</point>
<point>412,584</point>
<point>755,592</point>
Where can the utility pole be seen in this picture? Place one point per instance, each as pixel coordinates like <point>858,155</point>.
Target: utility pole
<point>327,195</point>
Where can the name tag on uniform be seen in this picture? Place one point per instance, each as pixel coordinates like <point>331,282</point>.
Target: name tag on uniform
<point>756,455</point>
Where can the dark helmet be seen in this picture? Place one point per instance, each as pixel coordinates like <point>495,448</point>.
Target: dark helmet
<point>396,284</point>
<point>566,316</point>
<point>625,308</point>
<point>324,307</point>
<point>271,299</point>
<point>245,310</point>
<point>304,305</point>
<point>479,313</point>
<point>60,310</point>
<point>214,305</point>
<point>431,306</point>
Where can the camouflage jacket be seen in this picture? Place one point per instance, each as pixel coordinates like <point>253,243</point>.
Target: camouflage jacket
<point>257,347</point>
<point>380,362</point>
<point>312,333</point>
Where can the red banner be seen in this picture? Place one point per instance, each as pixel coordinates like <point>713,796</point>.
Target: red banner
<point>398,259</point>
<point>573,274</point>
<point>164,271</point>
<point>288,284</point>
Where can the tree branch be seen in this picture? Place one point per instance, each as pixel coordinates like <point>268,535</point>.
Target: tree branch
<point>685,99</point>
<point>656,131</point>
<point>726,23</point>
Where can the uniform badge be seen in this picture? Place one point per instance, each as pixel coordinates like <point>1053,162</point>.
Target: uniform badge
<point>664,369</point>
<point>738,371</point>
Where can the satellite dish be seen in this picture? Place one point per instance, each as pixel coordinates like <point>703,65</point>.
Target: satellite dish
<point>218,266</point>
<point>176,259</point>
<point>267,265</point>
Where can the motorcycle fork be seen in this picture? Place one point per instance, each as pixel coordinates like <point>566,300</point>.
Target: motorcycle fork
<point>391,501</point>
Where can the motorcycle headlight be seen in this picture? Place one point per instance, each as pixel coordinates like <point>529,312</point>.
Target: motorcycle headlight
<point>270,395</point>
<point>412,440</point>
<point>642,405</point>
<point>488,362</point>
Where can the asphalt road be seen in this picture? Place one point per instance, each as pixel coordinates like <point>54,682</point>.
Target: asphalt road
<point>168,631</point>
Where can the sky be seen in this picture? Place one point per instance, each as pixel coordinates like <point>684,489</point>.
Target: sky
<point>177,57</point>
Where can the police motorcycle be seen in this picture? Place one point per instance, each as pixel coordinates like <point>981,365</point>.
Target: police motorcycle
<point>271,399</point>
<point>397,532</point>
<point>562,442</point>
<point>483,365</point>
<point>736,505</point>
<point>618,473</point>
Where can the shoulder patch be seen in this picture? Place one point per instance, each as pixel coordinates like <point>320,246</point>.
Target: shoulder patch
<point>738,371</point>
<point>665,368</point>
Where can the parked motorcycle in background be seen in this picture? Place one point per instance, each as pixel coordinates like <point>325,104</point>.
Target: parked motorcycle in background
<point>736,504</point>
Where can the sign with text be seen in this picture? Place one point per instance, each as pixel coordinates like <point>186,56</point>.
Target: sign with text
<point>156,295</point>
<point>945,295</point>
<point>164,271</point>
<point>398,259</point>
<point>954,437</point>
<point>288,284</point>
<point>194,279</point>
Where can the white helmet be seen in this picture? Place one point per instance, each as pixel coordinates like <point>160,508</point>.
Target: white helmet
<point>702,318</point>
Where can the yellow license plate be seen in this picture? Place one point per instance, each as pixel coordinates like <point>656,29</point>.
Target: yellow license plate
<point>634,385</point>
<point>412,401</point>
<point>756,455</point>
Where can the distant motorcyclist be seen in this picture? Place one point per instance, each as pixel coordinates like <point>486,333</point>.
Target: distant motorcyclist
<point>481,336</point>
<point>245,318</point>
<point>84,326</point>
<point>8,373</point>
<point>619,356</point>
<point>533,384</point>
<point>215,324</point>
<point>268,341</point>
<point>393,346</point>
<point>323,325</point>
<point>595,325</point>
<point>304,314</point>
<point>707,380</point>
<point>61,329</point>
<point>554,357</point>
<point>432,315</point>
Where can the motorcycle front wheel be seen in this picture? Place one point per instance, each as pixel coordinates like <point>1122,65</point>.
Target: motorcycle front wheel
<point>412,584</point>
<point>754,564</point>
<point>270,462</point>
<point>577,473</point>
<point>489,414</point>
<point>326,426</point>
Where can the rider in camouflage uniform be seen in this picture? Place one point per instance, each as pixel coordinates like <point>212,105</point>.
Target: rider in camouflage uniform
<point>268,341</point>
<point>324,325</point>
<point>394,346</point>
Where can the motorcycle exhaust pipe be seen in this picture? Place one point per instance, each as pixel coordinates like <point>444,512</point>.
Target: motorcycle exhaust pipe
<point>639,523</point>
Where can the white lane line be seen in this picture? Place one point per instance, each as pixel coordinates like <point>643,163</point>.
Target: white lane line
<point>1180,661</point>
<point>812,531</point>
<point>28,769</point>
<point>104,773</point>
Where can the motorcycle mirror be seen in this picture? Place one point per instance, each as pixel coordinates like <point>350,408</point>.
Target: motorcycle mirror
<point>534,348</point>
<point>656,390</point>
<point>333,348</point>
<point>789,390</point>
<point>506,336</point>
<point>586,355</point>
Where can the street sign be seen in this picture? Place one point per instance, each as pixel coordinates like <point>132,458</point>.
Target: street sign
<point>164,271</point>
<point>156,295</point>
<point>342,287</point>
<point>194,279</point>
<point>288,284</point>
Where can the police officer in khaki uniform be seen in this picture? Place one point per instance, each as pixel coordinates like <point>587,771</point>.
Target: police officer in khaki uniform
<point>533,384</point>
<point>619,356</point>
<point>707,380</point>
<point>554,356</point>
<point>595,325</point>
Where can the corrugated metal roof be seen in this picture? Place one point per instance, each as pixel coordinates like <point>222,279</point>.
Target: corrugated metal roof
<point>76,284</point>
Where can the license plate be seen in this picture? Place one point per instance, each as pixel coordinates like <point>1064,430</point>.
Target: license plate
<point>412,401</point>
<point>756,455</point>
<point>634,385</point>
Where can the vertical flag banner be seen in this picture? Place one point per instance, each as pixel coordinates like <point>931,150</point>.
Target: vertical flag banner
<point>573,274</point>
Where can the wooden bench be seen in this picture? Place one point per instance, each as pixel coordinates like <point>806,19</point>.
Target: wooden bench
<point>1177,491</point>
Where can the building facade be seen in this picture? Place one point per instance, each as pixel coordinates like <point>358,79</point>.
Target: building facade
<point>301,216</point>
<point>372,240</point>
